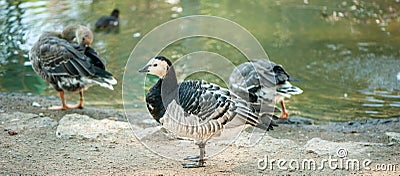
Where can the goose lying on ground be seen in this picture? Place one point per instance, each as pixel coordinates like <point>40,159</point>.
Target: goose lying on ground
<point>66,61</point>
<point>256,80</point>
<point>196,109</point>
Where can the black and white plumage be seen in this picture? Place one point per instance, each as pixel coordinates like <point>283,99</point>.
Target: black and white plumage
<point>196,109</point>
<point>69,66</point>
<point>263,80</point>
<point>111,21</point>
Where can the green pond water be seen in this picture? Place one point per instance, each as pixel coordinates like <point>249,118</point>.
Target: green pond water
<point>346,53</point>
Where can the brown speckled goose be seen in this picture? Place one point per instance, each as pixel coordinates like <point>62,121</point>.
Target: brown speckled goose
<point>68,63</point>
<point>263,80</point>
<point>196,109</point>
<point>79,34</point>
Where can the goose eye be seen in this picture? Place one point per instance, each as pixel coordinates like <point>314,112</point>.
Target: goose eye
<point>155,65</point>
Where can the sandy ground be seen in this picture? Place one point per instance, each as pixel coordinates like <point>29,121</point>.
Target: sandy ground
<point>36,149</point>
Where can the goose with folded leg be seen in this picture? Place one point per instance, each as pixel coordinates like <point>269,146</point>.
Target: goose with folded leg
<point>196,109</point>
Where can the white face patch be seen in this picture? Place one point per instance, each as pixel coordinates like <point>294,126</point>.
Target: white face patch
<point>158,67</point>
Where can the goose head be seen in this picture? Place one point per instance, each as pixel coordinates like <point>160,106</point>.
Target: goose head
<point>78,33</point>
<point>158,66</point>
<point>115,13</point>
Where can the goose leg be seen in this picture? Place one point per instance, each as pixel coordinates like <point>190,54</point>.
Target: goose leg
<point>64,104</point>
<point>284,114</point>
<point>198,160</point>
<point>202,147</point>
<point>80,105</point>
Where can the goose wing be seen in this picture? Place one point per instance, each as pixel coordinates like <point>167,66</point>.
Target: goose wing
<point>96,60</point>
<point>248,78</point>
<point>207,101</point>
<point>57,57</point>
<point>210,102</point>
<point>281,76</point>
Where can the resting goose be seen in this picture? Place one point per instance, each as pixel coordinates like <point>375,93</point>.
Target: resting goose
<point>79,34</point>
<point>196,109</point>
<point>253,81</point>
<point>66,61</point>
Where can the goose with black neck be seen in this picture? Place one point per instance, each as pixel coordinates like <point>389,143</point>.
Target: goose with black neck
<point>195,109</point>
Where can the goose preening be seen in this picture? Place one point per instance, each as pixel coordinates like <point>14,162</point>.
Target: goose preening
<point>255,81</point>
<point>108,21</point>
<point>79,34</point>
<point>196,109</point>
<point>68,63</point>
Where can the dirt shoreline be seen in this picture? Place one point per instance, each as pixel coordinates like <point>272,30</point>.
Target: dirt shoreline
<point>29,145</point>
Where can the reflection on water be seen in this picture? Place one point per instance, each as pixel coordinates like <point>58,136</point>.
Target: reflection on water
<point>346,54</point>
<point>13,75</point>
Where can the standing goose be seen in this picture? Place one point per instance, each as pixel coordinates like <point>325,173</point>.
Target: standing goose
<point>256,80</point>
<point>69,66</point>
<point>196,109</point>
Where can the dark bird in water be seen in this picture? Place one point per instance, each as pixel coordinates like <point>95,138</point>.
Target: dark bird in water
<point>66,60</point>
<point>263,81</point>
<point>195,109</point>
<point>106,22</point>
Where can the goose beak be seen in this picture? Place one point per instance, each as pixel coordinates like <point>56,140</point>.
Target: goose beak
<point>144,69</point>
